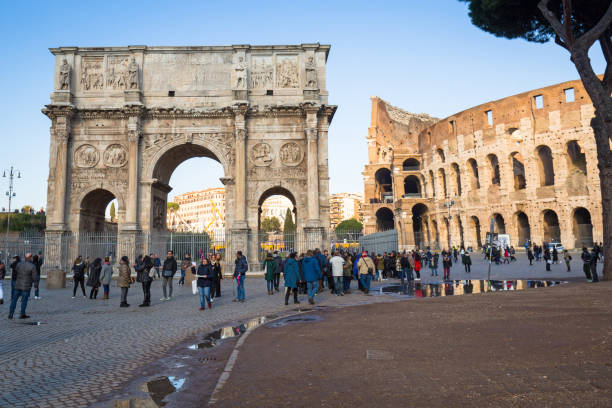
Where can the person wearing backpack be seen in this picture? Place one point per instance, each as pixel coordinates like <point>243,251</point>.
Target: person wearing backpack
<point>366,267</point>
<point>168,271</point>
<point>78,276</point>
<point>586,263</point>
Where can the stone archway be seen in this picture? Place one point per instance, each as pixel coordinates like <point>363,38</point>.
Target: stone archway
<point>225,103</point>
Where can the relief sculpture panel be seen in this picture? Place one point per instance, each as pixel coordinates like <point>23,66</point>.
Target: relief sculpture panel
<point>92,73</point>
<point>86,156</point>
<point>115,155</point>
<point>261,154</point>
<point>262,71</point>
<point>287,75</point>
<point>117,72</point>
<point>291,154</point>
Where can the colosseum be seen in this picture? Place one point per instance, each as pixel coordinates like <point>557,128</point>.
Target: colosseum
<point>525,164</point>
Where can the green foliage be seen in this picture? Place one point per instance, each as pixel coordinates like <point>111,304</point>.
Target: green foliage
<point>24,222</point>
<point>350,225</point>
<point>270,224</point>
<point>523,19</point>
<point>289,230</point>
<point>112,211</point>
<point>172,206</point>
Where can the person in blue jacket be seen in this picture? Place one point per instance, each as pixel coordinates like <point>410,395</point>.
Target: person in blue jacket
<point>240,269</point>
<point>323,265</point>
<point>291,273</point>
<point>312,274</point>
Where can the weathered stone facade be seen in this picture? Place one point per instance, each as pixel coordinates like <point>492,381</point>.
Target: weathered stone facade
<point>123,118</point>
<point>528,162</point>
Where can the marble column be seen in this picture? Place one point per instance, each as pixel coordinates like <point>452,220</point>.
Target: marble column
<point>131,213</point>
<point>313,177</point>
<point>62,136</point>
<point>240,176</point>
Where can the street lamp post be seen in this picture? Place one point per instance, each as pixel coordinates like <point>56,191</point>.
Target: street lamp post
<point>10,193</point>
<point>448,203</point>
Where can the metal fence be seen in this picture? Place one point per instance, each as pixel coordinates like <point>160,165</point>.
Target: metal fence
<point>379,242</point>
<point>62,250</point>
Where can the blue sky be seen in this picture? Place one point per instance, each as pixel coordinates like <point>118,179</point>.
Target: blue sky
<point>422,56</point>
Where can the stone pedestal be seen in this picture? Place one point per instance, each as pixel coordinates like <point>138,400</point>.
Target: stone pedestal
<point>61,97</point>
<point>132,97</point>
<point>56,279</point>
<point>240,95</point>
<point>311,94</point>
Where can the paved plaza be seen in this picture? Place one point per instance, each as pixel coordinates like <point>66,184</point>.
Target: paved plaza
<point>84,349</point>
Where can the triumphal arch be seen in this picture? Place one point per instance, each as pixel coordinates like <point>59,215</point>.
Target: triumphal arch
<point>123,118</point>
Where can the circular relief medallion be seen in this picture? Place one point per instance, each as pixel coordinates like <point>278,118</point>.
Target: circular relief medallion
<point>261,154</point>
<point>291,154</point>
<point>115,155</point>
<point>86,156</point>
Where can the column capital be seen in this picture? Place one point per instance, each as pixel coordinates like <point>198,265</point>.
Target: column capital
<point>311,133</point>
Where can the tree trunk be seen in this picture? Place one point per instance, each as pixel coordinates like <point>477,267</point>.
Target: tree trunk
<point>602,129</point>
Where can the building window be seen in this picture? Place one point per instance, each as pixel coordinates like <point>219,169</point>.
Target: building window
<point>539,101</point>
<point>489,114</point>
<point>569,95</point>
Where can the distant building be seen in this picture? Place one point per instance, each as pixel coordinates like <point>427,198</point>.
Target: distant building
<point>199,211</point>
<point>276,206</point>
<point>344,206</point>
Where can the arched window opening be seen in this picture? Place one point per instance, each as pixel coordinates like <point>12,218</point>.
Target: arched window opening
<point>436,234</point>
<point>476,230</point>
<point>411,165</point>
<point>545,166</point>
<point>576,157</point>
<point>523,229</point>
<point>582,228</point>
<point>432,183</point>
<point>442,177</point>
<point>494,168</point>
<point>474,180</point>
<point>384,186</point>
<point>412,187</point>
<point>440,154</point>
<point>456,174</point>
<point>499,224</point>
<point>419,212</point>
<point>518,171</point>
<point>552,231</point>
<point>384,219</point>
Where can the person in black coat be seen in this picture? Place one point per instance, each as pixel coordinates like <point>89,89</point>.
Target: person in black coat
<point>94,278</point>
<point>78,277</point>
<point>205,275</point>
<point>145,276</point>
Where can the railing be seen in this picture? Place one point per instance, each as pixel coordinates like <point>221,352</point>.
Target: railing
<point>411,168</point>
<point>412,195</point>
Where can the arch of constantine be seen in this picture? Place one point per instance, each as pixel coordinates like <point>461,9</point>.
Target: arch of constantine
<point>123,119</point>
<point>526,163</point>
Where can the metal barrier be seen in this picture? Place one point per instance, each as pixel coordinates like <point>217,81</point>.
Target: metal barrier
<point>379,242</point>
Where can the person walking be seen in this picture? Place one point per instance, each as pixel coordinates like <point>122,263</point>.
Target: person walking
<point>168,270</point>
<point>380,267</point>
<point>78,275</point>
<point>144,275</point>
<point>593,265</point>
<point>37,261</point>
<point>185,265</point>
<point>417,266</point>
<point>205,277</point>
<point>291,273</point>
<point>586,264</point>
<point>567,258</point>
<point>404,266</point>
<point>466,260</point>
<point>157,265</point>
<point>530,256</point>
<point>215,290</point>
<point>241,266</point>
<point>365,266</point>
<point>446,265</point>
<point>547,259</point>
<point>337,265</point>
<point>269,267</point>
<point>125,279</point>
<point>24,279</point>
<point>13,267</point>
<point>555,255</point>
<point>93,280</point>
<point>2,276</point>
<point>347,272</point>
<point>312,274</point>
<point>106,276</point>
<point>278,270</point>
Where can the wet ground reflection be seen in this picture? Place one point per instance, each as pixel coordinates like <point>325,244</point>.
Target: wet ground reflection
<point>461,287</point>
<point>295,319</point>
<point>213,338</point>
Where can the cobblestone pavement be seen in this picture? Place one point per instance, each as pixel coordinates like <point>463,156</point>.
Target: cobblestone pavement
<point>84,348</point>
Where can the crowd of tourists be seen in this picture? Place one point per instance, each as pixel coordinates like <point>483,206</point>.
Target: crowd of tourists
<point>308,273</point>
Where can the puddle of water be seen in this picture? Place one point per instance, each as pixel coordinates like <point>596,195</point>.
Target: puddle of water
<point>213,338</point>
<point>294,319</point>
<point>158,389</point>
<point>461,287</point>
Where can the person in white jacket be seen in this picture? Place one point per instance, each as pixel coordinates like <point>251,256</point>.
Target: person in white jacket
<point>337,264</point>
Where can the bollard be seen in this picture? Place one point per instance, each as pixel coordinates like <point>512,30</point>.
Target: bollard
<point>56,279</point>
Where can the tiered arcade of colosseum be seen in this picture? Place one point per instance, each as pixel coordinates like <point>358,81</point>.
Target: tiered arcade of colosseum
<point>526,164</point>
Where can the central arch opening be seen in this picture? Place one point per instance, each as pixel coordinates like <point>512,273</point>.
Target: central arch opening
<point>277,221</point>
<point>188,203</point>
<point>99,217</point>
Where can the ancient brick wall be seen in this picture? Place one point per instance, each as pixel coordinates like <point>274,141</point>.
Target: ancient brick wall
<point>527,161</point>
